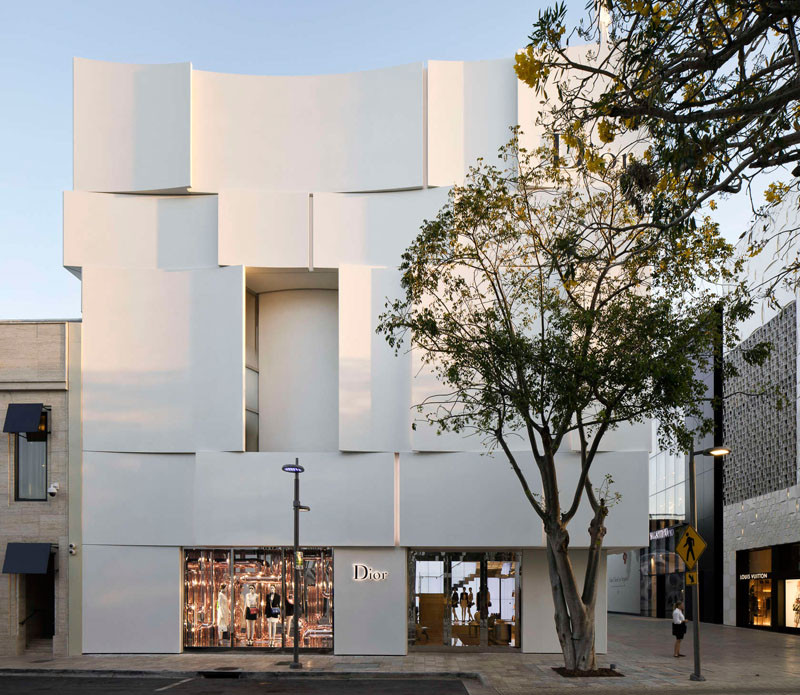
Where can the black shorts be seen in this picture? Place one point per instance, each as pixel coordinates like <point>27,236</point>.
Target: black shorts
<point>679,630</point>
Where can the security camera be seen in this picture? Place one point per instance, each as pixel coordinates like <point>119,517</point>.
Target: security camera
<point>53,489</point>
<point>73,549</point>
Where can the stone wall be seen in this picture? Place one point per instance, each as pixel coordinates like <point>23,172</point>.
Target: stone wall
<point>33,370</point>
<point>771,519</point>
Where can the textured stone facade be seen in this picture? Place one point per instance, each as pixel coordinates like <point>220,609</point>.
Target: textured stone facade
<point>762,437</point>
<point>761,490</point>
<point>772,519</point>
<point>33,369</point>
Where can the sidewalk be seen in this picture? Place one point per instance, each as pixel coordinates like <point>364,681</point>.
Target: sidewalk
<point>734,660</point>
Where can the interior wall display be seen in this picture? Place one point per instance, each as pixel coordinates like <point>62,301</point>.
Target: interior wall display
<point>466,599</point>
<point>792,594</point>
<point>759,596</point>
<point>245,598</point>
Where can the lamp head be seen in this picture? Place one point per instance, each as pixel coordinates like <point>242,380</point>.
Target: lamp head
<point>717,451</point>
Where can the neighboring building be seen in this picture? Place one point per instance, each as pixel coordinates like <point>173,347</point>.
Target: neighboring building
<point>662,573</point>
<point>761,485</point>
<point>229,313</point>
<point>40,411</point>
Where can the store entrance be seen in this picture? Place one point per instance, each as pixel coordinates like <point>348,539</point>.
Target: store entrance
<point>464,599</point>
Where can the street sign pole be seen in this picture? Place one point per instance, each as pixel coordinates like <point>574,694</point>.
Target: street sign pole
<point>696,676</point>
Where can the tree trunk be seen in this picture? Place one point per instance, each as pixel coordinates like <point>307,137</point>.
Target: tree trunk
<point>574,618</point>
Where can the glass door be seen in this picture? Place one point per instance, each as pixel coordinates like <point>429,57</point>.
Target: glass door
<point>464,599</point>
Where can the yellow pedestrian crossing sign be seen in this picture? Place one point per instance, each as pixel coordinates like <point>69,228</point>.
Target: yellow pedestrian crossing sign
<point>690,546</point>
<point>691,578</point>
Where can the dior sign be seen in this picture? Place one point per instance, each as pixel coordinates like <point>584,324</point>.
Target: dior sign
<point>362,573</point>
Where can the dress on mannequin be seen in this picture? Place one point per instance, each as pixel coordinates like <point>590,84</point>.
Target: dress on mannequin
<point>273,611</point>
<point>251,614</point>
<point>223,612</point>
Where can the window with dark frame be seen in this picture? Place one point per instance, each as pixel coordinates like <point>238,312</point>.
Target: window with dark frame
<point>30,463</point>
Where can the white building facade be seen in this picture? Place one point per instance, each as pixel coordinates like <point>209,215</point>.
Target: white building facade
<point>229,313</point>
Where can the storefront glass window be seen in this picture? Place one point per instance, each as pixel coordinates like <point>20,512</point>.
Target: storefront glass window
<point>464,599</point>
<point>759,594</point>
<point>207,608</point>
<point>245,597</point>
<point>792,594</point>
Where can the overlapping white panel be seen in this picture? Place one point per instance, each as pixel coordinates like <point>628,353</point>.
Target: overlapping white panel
<point>428,391</point>
<point>131,126</point>
<point>137,231</point>
<point>131,599</point>
<point>298,385</point>
<point>629,472</point>
<point>163,360</point>
<point>351,132</point>
<point>471,106</point>
<point>263,229</point>
<point>138,499</point>
<point>629,436</point>
<point>246,499</point>
<point>371,229</point>
<point>465,500</point>
<point>374,383</point>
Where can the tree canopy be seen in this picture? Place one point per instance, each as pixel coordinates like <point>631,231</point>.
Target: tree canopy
<point>549,310</point>
<point>711,87</point>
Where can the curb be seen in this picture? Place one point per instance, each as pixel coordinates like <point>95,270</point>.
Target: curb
<point>242,674</point>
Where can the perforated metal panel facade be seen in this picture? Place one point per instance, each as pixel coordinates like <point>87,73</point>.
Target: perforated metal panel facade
<point>762,437</point>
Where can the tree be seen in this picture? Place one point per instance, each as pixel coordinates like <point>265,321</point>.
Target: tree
<point>713,86</point>
<point>544,309</point>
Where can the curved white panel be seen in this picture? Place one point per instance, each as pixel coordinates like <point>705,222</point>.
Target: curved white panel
<point>131,599</point>
<point>466,500</point>
<point>370,229</point>
<point>137,231</point>
<point>353,132</point>
<point>471,106</point>
<point>374,384</point>
<point>434,487</point>
<point>246,499</point>
<point>263,229</point>
<point>298,384</point>
<point>131,126</point>
<point>163,360</point>
<point>138,499</point>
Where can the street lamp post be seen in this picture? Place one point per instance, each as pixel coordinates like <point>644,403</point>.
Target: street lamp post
<point>713,451</point>
<point>297,469</point>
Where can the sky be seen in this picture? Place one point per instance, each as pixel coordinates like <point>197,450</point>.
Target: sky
<point>39,39</point>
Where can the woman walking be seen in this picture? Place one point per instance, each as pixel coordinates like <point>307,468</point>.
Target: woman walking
<point>678,628</point>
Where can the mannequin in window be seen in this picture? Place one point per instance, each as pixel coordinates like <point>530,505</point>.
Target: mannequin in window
<point>273,611</point>
<point>454,605</point>
<point>223,612</point>
<point>463,602</point>
<point>251,614</point>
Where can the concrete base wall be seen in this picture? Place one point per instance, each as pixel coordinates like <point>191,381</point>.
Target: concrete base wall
<point>538,622</point>
<point>370,614</point>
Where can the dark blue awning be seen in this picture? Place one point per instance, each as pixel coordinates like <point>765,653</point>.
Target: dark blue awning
<point>23,417</point>
<point>26,558</point>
